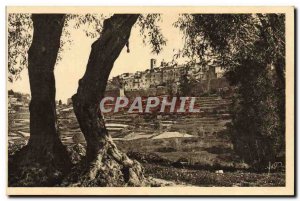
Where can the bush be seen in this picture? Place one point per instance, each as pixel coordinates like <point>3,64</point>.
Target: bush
<point>257,130</point>
<point>151,158</point>
<point>166,149</point>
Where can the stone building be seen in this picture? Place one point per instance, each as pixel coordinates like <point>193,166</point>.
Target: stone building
<point>165,74</point>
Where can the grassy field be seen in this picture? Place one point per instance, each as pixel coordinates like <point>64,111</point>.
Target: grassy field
<point>204,159</point>
<point>215,153</point>
<point>208,178</point>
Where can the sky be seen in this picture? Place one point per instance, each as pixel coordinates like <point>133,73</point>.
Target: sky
<point>74,58</point>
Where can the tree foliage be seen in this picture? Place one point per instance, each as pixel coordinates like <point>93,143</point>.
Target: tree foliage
<point>186,83</point>
<point>151,32</point>
<point>19,39</point>
<point>251,47</point>
<point>20,31</point>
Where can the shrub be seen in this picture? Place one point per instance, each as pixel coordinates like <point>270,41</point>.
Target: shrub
<point>166,149</point>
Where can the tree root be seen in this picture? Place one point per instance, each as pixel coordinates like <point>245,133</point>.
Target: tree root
<point>110,168</point>
<point>46,167</point>
<point>37,166</point>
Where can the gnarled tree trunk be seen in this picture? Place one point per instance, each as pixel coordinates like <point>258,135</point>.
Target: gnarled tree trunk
<point>44,159</point>
<point>106,165</point>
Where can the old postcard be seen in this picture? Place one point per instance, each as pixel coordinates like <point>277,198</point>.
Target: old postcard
<point>150,101</point>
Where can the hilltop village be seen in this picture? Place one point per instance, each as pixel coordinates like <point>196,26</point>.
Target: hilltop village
<point>165,79</point>
<point>161,75</point>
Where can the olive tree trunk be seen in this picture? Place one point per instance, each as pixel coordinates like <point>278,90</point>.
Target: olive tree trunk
<point>106,165</point>
<point>44,159</point>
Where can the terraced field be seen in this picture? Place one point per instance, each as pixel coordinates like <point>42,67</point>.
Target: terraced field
<point>170,136</point>
<point>163,142</point>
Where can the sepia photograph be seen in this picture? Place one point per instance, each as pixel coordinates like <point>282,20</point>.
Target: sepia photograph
<point>152,100</point>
